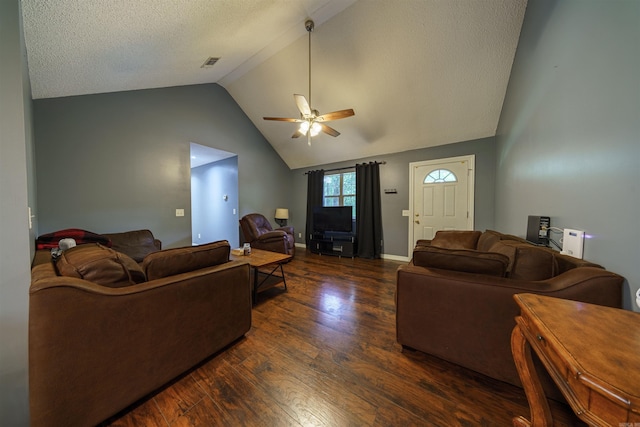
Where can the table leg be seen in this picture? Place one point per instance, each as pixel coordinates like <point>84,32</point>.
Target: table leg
<point>256,284</point>
<point>540,412</point>
<point>254,294</point>
<point>283,279</point>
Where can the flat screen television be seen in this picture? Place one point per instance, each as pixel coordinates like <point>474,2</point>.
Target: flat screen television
<point>332,218</point>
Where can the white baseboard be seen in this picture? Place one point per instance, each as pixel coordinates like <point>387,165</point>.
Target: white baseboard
<point>396,257</point>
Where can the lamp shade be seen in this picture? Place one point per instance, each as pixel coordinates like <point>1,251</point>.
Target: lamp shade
<point>282,213</point>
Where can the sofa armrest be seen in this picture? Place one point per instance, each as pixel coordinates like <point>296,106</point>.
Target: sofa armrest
<point>287,229</point>
<point>142,336</point>
<point>58,282</point>
<point>275,234</point>
<point>587,284</point>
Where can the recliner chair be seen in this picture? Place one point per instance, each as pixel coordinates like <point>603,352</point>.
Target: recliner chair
<point>259,234</point>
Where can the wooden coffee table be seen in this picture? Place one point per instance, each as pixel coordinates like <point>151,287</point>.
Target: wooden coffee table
<point>264,259</point>
<point>592,353</point>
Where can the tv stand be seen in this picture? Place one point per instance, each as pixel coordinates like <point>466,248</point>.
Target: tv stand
<point>338,244</point>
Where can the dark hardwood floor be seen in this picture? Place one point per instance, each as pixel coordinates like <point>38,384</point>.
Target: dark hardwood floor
<point>324,353</point>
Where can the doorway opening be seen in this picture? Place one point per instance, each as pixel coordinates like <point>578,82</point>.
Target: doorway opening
<point>214,195</point>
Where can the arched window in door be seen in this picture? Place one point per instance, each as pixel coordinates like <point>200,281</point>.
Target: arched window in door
<point>440,175</point>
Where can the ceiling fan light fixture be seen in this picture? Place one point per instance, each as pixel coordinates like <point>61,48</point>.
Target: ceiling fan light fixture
<point>315,129</point>
<point>312,127</point>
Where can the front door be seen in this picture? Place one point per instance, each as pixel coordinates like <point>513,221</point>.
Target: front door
<point>442,196</point>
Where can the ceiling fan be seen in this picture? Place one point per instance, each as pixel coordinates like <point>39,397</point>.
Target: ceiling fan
<point>311,121</point>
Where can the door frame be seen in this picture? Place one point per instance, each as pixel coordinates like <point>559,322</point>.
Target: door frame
<point>471,184</point>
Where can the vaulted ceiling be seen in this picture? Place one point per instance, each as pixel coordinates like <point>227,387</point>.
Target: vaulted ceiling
<point>418,73</point>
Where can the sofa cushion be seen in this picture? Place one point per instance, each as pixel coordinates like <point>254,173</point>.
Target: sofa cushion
<point>456,239</point>
<point>465,260</point>
<point>181,260</point>
<point>137,243</point>
<point>567,262</point>
<point>488,239</point>
<point>526,261</point>
<point>99,264</point>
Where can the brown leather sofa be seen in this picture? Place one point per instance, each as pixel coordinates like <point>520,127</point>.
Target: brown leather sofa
<point>454,300</point>
<point>259,234</point>
<point>105,331</point>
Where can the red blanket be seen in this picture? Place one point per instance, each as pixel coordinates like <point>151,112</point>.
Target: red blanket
<point>50,240</point>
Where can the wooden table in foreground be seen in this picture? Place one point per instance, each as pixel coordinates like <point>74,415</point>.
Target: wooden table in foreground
<point>592,353</point>
<point>263,259</point>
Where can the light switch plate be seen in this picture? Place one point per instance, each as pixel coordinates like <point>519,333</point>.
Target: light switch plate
<point>573,243</point>
<point>179,212</point>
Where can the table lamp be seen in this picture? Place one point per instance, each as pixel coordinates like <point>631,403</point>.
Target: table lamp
<point>282,215</point>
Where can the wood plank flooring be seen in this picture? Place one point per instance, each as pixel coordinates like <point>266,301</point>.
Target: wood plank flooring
<point>324,354</point>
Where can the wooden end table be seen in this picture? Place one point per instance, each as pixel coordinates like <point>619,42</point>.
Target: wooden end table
<point>592,353</point>
<point>262,259</point>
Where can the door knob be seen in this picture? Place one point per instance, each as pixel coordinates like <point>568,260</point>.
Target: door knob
<point>416,221</point>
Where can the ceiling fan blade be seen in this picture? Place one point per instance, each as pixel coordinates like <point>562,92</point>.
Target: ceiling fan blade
<point>329,130</point>
<point>297,134</point>
<point>336,115</point>
<point>283,119</point>
<point>302,104</point>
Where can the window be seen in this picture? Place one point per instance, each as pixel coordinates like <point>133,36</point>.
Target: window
<point>340,190</point>
<point>440,175</point>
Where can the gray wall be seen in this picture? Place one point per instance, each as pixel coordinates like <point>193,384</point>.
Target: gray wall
<point>16,181</point>
<point>120,161</point>
<point>212,216</point>
<point>569,135</point>
<point>395,174</point>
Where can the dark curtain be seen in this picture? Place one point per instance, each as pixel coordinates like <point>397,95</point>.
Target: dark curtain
<point>315,183</point>
<point>368,210</point>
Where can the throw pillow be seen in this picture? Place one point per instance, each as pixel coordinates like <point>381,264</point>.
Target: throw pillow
<point>101,265</point>
<point>169,262</point>
<point>464,260</point>
<point>526,261</point>
<point>487,239</point>
<point>456,239</point>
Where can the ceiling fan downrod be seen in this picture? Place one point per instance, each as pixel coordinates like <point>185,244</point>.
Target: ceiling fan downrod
<point>309,25</point>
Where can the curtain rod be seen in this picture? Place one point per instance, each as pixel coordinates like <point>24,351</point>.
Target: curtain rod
<point>347,167</point>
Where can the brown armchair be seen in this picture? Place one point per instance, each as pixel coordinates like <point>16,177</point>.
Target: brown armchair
<point>259,234</point>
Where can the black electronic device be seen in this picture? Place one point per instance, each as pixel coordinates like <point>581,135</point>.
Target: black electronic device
<point>333,231</point>
<point>332,218</point>
<point>538,229</point>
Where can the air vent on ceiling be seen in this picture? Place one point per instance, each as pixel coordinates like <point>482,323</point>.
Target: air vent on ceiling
<point>210,62</point>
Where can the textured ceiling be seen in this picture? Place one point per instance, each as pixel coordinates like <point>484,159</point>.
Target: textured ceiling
<point>418,73</point>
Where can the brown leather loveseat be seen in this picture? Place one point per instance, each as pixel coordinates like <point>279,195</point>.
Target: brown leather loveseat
<point>105,331</point>
<point>454,300</point>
